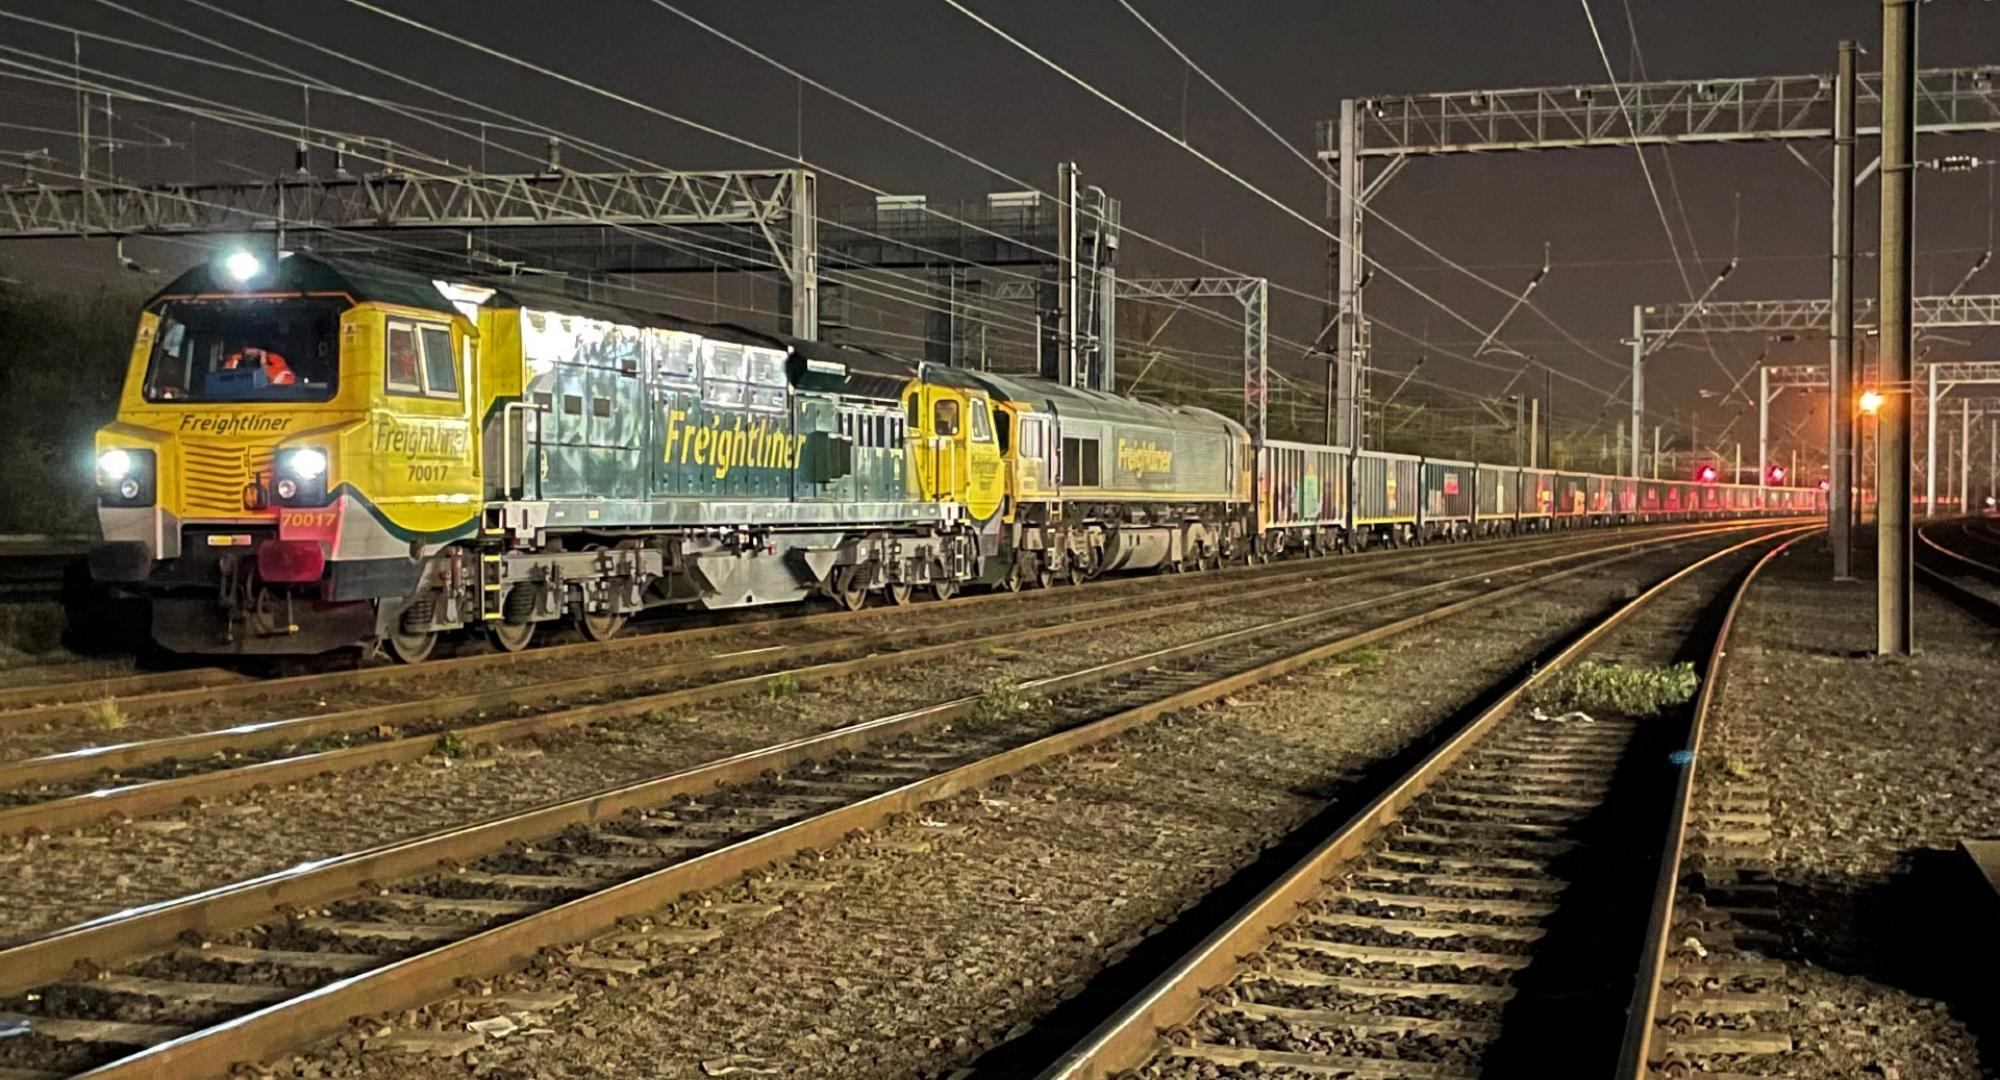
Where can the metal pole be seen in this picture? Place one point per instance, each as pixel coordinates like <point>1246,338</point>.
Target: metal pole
<point>1763,424</point>
<point>1656,451</point>
<point>1930,443</point>
<point>1535,433</point>
<point>1993,459</point>
<point>802,220</point>
<point>1334,255</point>
<point>1257,342</point>
<point>1067,285</point>
<point>1638,378</point>
<point>1893,572</point>
<point>1350,274</point>
<point>1736,473</point>
<point>1840,409</point>
<point>1964,454</point>
<point>1520,432</point>
<point>1549,421</point>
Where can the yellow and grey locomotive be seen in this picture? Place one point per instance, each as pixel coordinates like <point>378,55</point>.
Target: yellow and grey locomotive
<point>318,453</point>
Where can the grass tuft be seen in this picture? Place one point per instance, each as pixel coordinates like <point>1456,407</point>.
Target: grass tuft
<point>451,746</point>
<point>999,700</point>
<point>781,686</point>
<point>1367,656</point>
<point>107,715</point>
<point>1601,689</point>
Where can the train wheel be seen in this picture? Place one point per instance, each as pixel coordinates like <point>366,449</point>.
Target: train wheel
<point>850,588</point>
<point>1014,579</point>
<point>599,626</point>
<point>511,637</point>
<point>412,648</point>
<point>898,592</point>
<point>1045,578</point>
<point>943,588</point>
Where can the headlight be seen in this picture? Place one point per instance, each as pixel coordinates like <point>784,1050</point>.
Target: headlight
<point>125,477</point>
<point>288,488</point>
<point>306,464</point>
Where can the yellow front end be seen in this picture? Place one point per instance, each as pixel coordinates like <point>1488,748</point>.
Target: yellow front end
<point>955,455</point>
<point>283,463</point>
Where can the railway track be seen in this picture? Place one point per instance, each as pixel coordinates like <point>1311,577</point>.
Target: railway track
<point>73,785</point>
<point>69,699</point>
<point>1961,560</point>
<point>294,956</point>
<point>1506,908</point>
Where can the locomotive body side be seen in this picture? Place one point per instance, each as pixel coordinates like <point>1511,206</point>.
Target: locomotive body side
<point>1103,483</point>
<point>340,454</point>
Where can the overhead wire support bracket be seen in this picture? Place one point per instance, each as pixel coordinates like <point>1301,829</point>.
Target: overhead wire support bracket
<point>1759,108</point>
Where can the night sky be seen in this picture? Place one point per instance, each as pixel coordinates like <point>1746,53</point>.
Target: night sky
<point>1290,60</point>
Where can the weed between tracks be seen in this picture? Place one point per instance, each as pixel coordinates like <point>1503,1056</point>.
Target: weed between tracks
<point>107,715</point>
<point>1614,689</point>
<point>1367,656</point>
<point>451,746</point>
<point>999,700</point>
<point>781,686</point>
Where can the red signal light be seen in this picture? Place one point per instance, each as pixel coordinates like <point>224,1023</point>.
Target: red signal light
<point>1777,474</point>
<point>1706,474</point>
<point>1825,485</point>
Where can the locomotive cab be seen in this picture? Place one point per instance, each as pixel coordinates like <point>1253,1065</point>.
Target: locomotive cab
<point>956,450</point>
<point>260,404</point>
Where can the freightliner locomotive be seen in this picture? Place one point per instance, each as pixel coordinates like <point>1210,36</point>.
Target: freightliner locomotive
<point>316,453</point>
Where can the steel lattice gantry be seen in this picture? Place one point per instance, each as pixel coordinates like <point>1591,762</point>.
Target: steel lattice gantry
<point>780,204</point>
<point>1252,293</point>
<point>1764,108</point>
<point>1659,321</point>
<point>1654,325</point>
<point>1938,380</point>
<point>1755,109</point>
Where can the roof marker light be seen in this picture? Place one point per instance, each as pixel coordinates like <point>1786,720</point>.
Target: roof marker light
<point>242,265</point>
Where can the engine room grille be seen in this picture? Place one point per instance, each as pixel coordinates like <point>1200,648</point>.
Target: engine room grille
<point>213,476</point>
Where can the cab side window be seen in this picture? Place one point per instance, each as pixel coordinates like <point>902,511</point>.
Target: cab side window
<point>944,418</point>
<point>440,367</point>
<point>418,361</point>
<point>982,425</point>
<point>403,375</point>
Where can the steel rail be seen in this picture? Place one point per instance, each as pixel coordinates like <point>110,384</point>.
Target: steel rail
<point>85,761</point>
<point>147,797</point>
<point>1983,569</point>
<point>67,691</point>
<point>1634,1051</point>
<point>418,979</point>
<point>1129,1037</point>
<point>171,694</point>
<point>1980,604</point>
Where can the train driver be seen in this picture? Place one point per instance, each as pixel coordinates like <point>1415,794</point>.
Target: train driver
<point>276,370</point>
